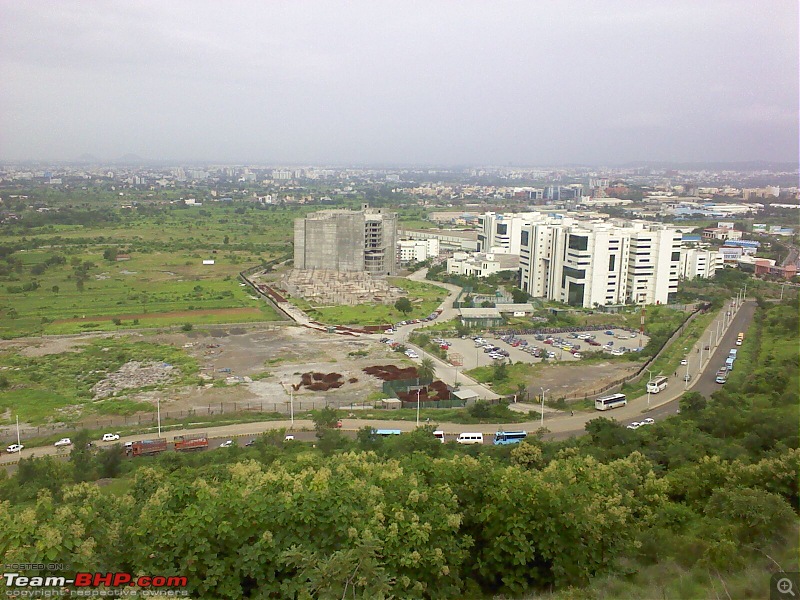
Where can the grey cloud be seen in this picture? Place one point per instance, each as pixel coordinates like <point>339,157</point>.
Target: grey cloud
<point>443,82</point>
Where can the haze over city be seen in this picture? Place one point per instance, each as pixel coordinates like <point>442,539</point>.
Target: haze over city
<point>400,83</point>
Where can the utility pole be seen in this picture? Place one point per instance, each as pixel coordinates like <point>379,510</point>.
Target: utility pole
<point>158,407</point>
<point>418,390</point>
<point>543,393</point>
<point>18,442</point>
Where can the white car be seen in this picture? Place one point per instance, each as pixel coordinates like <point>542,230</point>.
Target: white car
<point>684,362</point>
<point>634,425</point>
<point>110,437</point>
<point>289,437</point>
<point>63,442</point>
<point>226,444</point>
<point>14,448</point>
<point>647,421</point>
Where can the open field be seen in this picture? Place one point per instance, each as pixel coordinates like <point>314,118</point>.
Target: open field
<point>65,278</point>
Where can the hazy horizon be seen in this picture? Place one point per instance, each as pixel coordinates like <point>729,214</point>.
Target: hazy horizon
<point>412,83</point>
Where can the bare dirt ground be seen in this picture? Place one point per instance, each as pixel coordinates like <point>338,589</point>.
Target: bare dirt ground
<point>261,363</point>
<point>576,380</point>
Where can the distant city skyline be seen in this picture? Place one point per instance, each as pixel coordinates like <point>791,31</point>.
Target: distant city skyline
<point>400,83</point>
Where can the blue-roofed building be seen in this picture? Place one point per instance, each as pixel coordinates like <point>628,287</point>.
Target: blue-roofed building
<point>743,243</point>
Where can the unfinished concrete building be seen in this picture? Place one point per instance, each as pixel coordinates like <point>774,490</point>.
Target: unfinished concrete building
<point>347,241</point>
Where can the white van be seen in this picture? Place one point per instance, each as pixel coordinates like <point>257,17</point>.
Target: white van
<point>439,435</point>
<point>470,438</point>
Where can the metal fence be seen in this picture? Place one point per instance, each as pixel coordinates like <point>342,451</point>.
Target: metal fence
<point>110,423</point>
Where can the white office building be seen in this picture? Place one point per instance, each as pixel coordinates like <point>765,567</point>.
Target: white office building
<point>417,250</point>
<point>699,262</point>
<point>500,234</point>
<point>596,264</point>
<point>480,264</point>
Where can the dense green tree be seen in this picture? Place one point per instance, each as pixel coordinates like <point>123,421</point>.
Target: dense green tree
<point>403,305</point>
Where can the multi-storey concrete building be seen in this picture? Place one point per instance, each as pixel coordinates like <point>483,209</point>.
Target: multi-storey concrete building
<point>347,241</point>
<point>594,264</point>
<point>700,262</point>
<point>417,250</point>
<point>500,234</point>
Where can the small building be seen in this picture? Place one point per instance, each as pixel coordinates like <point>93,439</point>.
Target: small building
<point>208,262</point>
<point>722,233</point>
<point>122,257</point>
<point>468,397</point>
<point>481,317</point>
<point>516,310</point>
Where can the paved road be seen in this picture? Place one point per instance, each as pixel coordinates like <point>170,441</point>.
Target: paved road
<point>560,426</point>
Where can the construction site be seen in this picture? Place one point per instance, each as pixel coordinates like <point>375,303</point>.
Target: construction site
<point>323,287</point>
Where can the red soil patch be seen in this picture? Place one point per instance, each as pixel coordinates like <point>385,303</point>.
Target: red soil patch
<point>319,382</point>
<point>167,315</point>
<point>390,372</point>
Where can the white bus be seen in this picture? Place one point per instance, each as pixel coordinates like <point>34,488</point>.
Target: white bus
<point>609,402</point>
<point>657,384</point>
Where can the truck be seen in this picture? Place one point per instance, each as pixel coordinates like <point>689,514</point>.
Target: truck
<point>197,441</point>
<point>148,447</point>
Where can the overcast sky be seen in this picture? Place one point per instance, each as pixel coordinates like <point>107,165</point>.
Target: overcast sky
<point>428,82</point>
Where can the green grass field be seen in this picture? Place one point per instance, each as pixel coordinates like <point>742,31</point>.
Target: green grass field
<point>58,281</point>
<point>59,385</point>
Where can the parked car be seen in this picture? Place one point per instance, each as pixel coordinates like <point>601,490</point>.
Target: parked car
<point>110,437</point>
<point>63,442</point>
<point>227,444</point>
<point>14,448</point>
<point>289,437</point>
<point>684,362</point>
<point>647,421</point>
<point>634,425</point>
<point>251,442</point>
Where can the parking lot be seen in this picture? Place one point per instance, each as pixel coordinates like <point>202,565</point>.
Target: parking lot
<point>557,347</point>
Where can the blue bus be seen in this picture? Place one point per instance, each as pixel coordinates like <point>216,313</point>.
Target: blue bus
<point>386,432</point>
<point>509,437</point>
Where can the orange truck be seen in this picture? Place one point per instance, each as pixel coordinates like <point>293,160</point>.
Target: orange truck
<point>148,447</point>
<point>197,441</point>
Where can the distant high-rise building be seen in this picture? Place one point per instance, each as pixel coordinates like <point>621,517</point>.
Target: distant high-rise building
<point>347,241</point>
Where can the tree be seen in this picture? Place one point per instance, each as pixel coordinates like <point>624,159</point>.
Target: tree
<point>110,254</point>
<point>403,305</point>
<point>692,403</point>
<point>426,369</point>
<point>81,457</point>
<point>325,418</point>
<point>54,289</point>
<point>519,296</point>
<point>500,371</point>
<point>522,392</point>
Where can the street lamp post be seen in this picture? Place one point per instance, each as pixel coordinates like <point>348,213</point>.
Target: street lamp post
<point>649,380</point>
<point>544,391</point>
<point>291,405</point>
<point>418,390</point>
<point>18,442</point>
<point>686,379</point>
<point>158,408</point>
